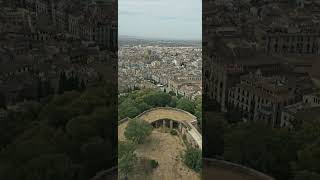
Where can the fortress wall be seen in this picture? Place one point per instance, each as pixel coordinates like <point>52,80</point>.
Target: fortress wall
<point>190,140</point>
<point>157,108</point>
<point>185,130</point>
<point>123,120</point>
<point>235,168</point>
<point>109,174</point>
<point>165,108</point>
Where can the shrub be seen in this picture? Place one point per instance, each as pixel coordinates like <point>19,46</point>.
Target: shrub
<point>154,163</point>
<point>137,130</point>
<point>127,159</point>
<point>173,132</point>
<point>193,159</point>
<point>186,105</point>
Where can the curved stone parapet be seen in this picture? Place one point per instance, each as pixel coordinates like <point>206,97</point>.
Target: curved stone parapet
<point>224,170</point>
<point>123,120</point>
<point>184,119</point>
<point>109,174</point>
<point>169,109</point>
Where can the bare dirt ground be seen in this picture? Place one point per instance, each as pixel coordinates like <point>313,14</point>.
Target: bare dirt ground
<point>167,150</point>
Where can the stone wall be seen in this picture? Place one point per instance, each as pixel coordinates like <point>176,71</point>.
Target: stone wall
<point>235,169</point>
<point>187,127</point>
<point>166,108</point>
<point>109,174</point>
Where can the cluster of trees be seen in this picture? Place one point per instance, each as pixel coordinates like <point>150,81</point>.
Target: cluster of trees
<point>70,83</point>
<point>136,132</point>
<point>281,153</point>
<point>44,88</point>
<point>138,101</point>
<point>193,158</point>
<point>3,103</point>
<point>127,158</point>
<point>68,137</point>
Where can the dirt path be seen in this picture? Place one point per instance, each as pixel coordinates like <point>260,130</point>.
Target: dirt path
<point>166,149</point>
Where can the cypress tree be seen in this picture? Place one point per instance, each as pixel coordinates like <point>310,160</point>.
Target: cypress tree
<point>39,88</point>
<point>76,83</point>
<point>60,88</point>
<point>48,88</point>
<point>69,83</point>
<point>2,100</point>
<point>82,85</point>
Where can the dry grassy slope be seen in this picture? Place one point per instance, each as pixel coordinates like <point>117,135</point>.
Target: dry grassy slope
<point>166,149</point>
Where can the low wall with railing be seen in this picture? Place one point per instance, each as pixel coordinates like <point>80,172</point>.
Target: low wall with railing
<point>166,108</point>
<point>195,141</point>
<point>109,174</point>
<point>157,108</point>
<point>234,168</point>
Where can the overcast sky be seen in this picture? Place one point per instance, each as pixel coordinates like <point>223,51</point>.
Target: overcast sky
<point>164,19</point>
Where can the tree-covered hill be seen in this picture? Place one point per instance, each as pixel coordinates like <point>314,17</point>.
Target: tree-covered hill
<point>68,137</point>
<point>136,102</point>
<point>281,153</point>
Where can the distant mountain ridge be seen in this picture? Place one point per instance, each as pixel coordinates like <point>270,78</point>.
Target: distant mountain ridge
<point>156,39</point>
<point>135,40</point>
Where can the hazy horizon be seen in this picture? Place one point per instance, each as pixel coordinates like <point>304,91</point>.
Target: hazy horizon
<point>156,39</point>
<point>162,20</point>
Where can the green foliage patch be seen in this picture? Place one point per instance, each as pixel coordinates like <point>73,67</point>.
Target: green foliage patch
<point>66,137</point>
<point>137,130</point>
<point>193,158</point>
